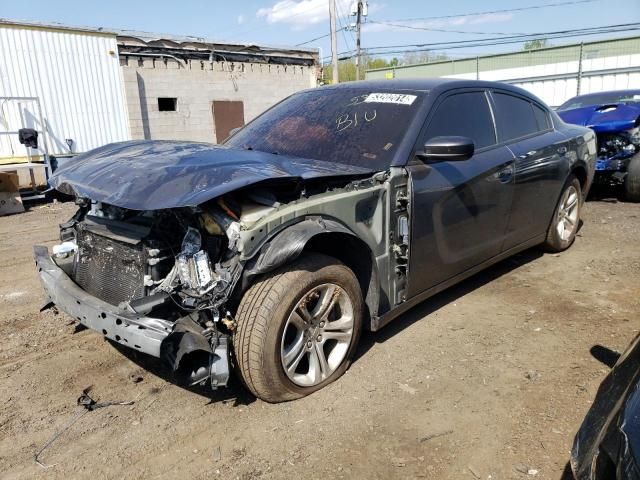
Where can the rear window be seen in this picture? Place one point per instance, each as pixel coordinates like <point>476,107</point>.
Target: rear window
<point>515,117</point>
<point>352,126</point>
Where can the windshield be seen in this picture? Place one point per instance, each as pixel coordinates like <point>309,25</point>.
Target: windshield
<point>601,99</point>
<point>354,126</point>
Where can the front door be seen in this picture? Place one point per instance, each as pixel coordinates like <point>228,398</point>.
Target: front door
<point>460,209</point>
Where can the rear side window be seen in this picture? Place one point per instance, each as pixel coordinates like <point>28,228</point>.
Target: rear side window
<point>466,115</point>
<point>514,117</point>
<point>541,117</point>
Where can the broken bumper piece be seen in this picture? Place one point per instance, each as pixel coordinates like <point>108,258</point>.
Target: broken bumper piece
<point>140,333</point>
<point>153,336</point>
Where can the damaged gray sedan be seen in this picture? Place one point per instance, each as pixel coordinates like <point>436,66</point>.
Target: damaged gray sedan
<point>333,212</point>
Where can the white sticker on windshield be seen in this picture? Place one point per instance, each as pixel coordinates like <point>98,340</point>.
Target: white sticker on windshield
<point>397,98</point>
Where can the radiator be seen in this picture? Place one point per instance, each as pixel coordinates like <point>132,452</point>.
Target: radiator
<point>108,269</point>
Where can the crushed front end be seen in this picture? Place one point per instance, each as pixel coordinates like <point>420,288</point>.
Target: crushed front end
<point>615,151</point>
<point>154,281</point>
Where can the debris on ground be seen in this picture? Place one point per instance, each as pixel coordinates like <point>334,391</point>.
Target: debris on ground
<point>217,454</point>
<point>89,405</point>
<point>406,388</point>
<point>532,375</point>
<point>426,438</point>
<point>473,472</point>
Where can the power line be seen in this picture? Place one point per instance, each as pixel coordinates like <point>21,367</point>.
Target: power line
<point>429,29</point>
<point>347,23</point>
<point>416,50</point>
<point>506,10</point>
<point>519,38</point>
<point>343,28</point>
<point>317,38</point>
<point>384,50</point>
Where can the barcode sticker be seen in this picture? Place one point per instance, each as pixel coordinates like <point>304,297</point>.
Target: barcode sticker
<point>397,98</point>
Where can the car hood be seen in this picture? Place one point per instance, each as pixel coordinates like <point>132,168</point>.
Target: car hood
<point>153,175</point>
<point>607,118</point>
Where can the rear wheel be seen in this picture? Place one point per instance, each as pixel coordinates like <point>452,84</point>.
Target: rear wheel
<point>566,218</point>
<point>298,328</point>
<point>632,180</point>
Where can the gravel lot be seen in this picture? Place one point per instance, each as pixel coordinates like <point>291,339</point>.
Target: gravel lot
<point>487,380</point>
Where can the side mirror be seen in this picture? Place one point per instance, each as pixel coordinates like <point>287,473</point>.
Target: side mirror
<point>447,149</point>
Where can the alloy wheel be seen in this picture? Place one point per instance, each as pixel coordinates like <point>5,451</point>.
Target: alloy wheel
<point>317,335</point>
<point>567,219</point>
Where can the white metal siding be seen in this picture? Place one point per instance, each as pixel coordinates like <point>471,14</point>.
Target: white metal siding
<point>78,80</point>
<point>556,91</point>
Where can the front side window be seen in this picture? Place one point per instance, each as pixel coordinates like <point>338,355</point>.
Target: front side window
<point>515,117</point>
<point>354,126</point>
<point>465,115</point>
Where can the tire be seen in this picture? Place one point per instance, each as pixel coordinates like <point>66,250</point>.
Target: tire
<point>566,217</point>
<point>632,180</point>
<point>271,328</point>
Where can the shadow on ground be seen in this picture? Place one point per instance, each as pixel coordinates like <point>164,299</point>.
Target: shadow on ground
<point>233,393</point>
<point>449,295</point>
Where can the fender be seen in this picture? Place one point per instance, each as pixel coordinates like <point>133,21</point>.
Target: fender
<point>288,244</point>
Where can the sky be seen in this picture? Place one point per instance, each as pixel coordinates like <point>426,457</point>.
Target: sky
<point>291,22</point>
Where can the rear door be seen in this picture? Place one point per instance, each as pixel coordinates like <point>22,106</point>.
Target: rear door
<point>526,129</point>
<point>459,209</point>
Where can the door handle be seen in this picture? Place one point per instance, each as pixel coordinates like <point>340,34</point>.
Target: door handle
<point>506,174</point>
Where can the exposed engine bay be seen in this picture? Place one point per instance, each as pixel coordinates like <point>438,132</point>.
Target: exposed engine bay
<point>614,152</point>
<point>178,265</point>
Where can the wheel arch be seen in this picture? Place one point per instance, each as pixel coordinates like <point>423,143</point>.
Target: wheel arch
<point>581,173</point>
<point>320,235</point>
<point>355,254</point>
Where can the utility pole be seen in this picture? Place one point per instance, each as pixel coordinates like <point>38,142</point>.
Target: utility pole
<point>579,79</point>
<point>334,40</point>
<point>360,12</point>
<point>358,22</point>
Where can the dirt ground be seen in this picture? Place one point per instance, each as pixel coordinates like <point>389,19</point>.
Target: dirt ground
<point>488,380</point>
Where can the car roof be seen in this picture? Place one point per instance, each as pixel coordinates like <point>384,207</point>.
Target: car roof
<point>429,84</point>
<point>424,84</point>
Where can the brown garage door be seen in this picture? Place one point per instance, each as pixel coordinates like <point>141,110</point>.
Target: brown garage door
<point>227,115</point>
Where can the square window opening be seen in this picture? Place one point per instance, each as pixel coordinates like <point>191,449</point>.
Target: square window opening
<point>167,104</point>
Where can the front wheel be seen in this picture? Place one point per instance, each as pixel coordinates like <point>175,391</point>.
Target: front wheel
<point>566,217</point>
<point>298,328</point>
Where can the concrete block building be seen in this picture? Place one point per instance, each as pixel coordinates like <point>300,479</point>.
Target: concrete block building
<point>192,90</point>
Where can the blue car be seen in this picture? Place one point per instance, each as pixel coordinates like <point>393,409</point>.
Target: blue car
<point>615,118</point>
